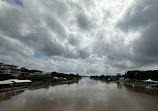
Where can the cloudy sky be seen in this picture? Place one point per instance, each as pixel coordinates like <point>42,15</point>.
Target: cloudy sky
<point>88,37</point>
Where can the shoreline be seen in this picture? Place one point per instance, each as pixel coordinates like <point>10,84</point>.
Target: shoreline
<point>35,85</point>
<point>140,87</point>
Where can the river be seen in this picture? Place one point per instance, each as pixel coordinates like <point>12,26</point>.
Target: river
<point>86,95</point>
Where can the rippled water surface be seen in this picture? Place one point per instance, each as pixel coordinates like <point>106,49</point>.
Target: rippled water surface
<point>86,95</point>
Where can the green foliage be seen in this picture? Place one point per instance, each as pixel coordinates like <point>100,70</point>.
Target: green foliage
<point>142,75</point>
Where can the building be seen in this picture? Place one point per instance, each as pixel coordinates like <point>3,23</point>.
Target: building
<point>4,84</point>
<point>11,69</point>
<point>14,82</point>
<point>8,71</point>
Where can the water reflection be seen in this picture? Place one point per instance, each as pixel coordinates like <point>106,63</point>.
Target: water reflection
<point>87,95</point>
<point>8,95</point>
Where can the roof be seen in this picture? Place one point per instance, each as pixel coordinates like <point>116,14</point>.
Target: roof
<point>19,81</point>
<point>6,82</point>
<point>11,81</point>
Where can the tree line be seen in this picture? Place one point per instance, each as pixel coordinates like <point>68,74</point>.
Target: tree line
<point>142,75</point>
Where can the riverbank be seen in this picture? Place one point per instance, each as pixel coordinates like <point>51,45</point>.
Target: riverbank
<point>36,85</point>
<point>136,83</point>
<point>139,86</point>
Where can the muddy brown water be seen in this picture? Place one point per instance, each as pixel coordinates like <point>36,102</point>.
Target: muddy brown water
<point>86,95</point>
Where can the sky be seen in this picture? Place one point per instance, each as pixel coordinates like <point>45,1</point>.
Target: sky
<point>88,37</point>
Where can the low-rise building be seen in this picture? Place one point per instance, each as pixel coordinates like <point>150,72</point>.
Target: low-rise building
<point>4,84</point>
<point>13,82</point>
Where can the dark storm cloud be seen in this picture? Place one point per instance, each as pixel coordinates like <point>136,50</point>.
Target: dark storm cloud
<point>73,41</point>
<point>83,53</point>
<point>56,27</point>
<point>40,30</point>
<point>13,47</point>
<point>142,17</point>
<point>83,21</point>
<point>79,36</point>
<point>10,20</point>
<point>139,15</point>
<point>18,2</point>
